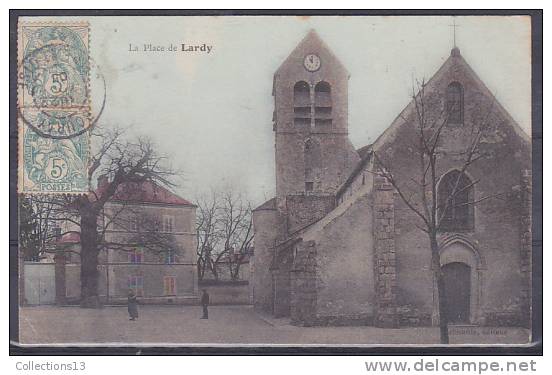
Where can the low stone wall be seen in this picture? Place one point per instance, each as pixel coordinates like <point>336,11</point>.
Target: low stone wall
<point>165,300</point>
<point>223,271</point>
<point>226,292</point>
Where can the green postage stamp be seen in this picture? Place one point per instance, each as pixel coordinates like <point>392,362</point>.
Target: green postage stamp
<point>53,107</point>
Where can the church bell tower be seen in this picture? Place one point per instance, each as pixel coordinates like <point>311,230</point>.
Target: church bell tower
<point>313,151</point>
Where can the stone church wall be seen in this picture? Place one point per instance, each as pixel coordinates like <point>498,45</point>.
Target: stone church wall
<point>526,243</point>
<point>266,223</point>
<point>338,160</point>
<point>365,259</point>
<point>363,177</point>
<point>496,238</point>
<point>413,267</point>
<point>292,70</point>
<point>303,298</point>
<point>281,279</point>
<point>384,254</point>
<point>338,156</point>
<point>306,209</point>
<point>345,268</point>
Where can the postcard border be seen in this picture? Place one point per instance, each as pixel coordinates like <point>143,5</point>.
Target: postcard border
<point>536,348</point>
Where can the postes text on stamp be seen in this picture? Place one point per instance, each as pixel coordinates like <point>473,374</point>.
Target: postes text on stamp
<point>53,107</point>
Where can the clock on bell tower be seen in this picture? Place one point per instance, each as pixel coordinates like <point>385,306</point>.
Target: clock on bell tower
<point>313,151</point>
<point>312,62</point>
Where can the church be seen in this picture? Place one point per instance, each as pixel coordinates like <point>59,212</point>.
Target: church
<point>337,245</point>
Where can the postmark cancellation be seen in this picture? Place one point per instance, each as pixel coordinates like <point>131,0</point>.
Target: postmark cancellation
<point>53,107</point>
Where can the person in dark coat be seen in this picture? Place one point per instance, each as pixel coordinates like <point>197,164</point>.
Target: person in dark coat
<point>205,304</point>
<point>132,305</point>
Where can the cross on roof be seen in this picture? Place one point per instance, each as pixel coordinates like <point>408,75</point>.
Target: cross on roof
<point>454,26</point>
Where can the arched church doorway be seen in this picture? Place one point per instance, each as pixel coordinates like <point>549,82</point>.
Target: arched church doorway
<point>457,287</point>
<point>463,268</point>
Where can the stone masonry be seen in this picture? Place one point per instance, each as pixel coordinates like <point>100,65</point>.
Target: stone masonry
<point>303,284</point>
<point>281,284</point>
<point>384,254</point>
<point>526,243</point>
<point>359,255</point>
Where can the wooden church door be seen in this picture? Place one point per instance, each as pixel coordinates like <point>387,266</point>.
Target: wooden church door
<point>457,292</point>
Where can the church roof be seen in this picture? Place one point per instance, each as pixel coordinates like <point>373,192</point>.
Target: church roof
<point>365,156</point>
<point>268,205</point>
<point>311,43</point>
<point>454,61</point>
<point>364,150</point>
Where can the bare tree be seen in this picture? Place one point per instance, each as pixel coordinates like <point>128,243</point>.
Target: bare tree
<point>224,232</point>
<point>38,227</point>
<point>418,188</point>
<point>207,225</point>
<point>122,163</point>
<point>237,230</point>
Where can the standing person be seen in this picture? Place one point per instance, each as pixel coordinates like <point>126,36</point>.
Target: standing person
<point>205,304</point>
<point>132,305</point>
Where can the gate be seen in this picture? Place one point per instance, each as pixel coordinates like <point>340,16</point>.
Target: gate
<point>40,283</point>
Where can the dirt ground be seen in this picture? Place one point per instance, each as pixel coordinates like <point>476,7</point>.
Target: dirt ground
<point>226,325</point>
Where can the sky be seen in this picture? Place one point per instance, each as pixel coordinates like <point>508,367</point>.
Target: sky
<point>212,112</point>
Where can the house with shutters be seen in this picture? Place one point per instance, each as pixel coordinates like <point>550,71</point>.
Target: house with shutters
<point>150,247</point>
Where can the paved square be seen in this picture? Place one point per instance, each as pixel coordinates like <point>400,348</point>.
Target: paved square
<point>226,325</point>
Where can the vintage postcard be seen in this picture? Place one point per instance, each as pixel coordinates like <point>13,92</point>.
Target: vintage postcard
<point>53,106</point>
<point>275,180</point>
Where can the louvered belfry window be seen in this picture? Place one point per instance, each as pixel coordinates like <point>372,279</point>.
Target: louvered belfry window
<point>301,104</point>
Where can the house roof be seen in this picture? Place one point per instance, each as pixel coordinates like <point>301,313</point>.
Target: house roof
<point>145,192</point>
<point>69,238</point>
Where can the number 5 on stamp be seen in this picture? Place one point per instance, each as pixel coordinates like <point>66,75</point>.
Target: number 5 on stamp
<point>53,107</point>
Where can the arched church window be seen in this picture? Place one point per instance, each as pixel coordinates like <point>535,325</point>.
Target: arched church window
<point>455,197</point>
<point>301,103</point>
<point>455,103</point>
<point>313,162</point>
<point>322,104</point>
